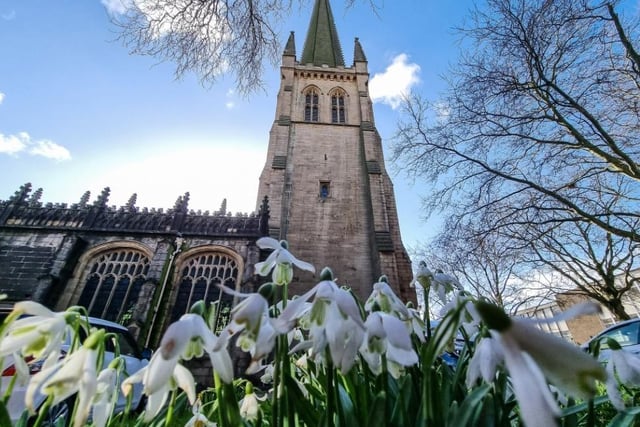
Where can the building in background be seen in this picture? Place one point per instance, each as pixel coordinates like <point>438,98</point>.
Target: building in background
<point>330,195</point>
<point>580,329</point>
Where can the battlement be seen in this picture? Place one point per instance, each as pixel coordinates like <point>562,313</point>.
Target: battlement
<point>24,210</point>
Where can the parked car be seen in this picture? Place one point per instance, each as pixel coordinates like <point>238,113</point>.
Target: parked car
<point>626,333</point>
<point>134,358</point>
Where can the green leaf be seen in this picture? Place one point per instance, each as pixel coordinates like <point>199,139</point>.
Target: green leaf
<point>470,407</point>
<point>624,419</point>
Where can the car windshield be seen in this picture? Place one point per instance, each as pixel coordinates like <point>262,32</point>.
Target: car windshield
<point>625,335</point>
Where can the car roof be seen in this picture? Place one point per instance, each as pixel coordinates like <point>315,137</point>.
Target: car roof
<point>614,326</point>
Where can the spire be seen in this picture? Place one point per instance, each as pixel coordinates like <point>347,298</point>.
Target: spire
<point>322,45</point>
<point>358,53</point>
<point>290,48</point>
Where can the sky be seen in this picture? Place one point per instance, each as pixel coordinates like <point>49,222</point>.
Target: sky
<point>78,112</point>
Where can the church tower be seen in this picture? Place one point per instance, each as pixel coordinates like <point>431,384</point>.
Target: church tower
<point>329,193</point>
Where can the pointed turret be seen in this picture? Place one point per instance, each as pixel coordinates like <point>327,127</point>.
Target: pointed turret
<point>322,46</point>
<point>290,48</point>
<point>358,53</point>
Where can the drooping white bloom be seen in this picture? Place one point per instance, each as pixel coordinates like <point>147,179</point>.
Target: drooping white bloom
<point>250,404</point>
<point>333,320</point>
<point>106,396</point>
<point>485,360</point>
<point>532,355</point>
<point>281,259</point>
<point>251,319</point>
<point>74,374</point>
<point>188,337</point>
<point>386,300</point>
<point>386,334</point>
<point>444,284</point>
<point>538,407</point>
<point>198,419</point>
<point>627,368</point>
<point>157,391</point>
<point>37,335</point>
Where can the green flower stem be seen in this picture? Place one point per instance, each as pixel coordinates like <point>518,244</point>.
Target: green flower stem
<point>217,382</point>
<point>426,316</point>
<point>168,421</point>
<point>330,388</point>
<point>43,411</point>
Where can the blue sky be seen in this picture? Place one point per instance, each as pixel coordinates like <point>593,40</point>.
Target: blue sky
<point>78,113</point>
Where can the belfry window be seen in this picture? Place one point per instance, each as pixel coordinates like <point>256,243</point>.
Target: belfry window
<point>113,285</point>
<point>199,278</point>
<point>337,108</point>
<point>311,106</point>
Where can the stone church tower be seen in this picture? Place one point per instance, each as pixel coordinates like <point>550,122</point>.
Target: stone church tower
<point>329,193</point>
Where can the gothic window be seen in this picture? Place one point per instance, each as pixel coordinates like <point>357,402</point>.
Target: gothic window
<point>311,106</point>
<point>338,114</point>
<point>198,279</point>
<point>113,283</point>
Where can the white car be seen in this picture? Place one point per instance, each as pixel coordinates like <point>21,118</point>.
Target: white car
<point>134,358</point>
<point>626,333</point>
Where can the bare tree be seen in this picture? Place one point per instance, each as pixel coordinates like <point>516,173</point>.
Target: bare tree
<point>541,119</point>
<point>486,265</point>
<point>208,37</point>
<point>591,262</point>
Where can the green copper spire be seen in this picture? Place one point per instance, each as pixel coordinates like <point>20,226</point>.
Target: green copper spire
<point>322,45</point>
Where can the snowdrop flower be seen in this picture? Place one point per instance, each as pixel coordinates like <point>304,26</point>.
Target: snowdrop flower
<point>386,300</point>
<point>281,259</point>
<point>423,276</point>
<point>627,367</point>
<point>469,317</point>
<point>386,334</point>
<point>257,334</point>
<point>188,337</point>
<point>250,404</point>
<point>484,362</point>
<point>267,374</point>
<point>38,335</point>
<point>198,419</point>
<point>334,320</point>
<point>444,284</point>
<point>156,390</point>
<point>530,355</point>
<point>74,374</point>
<point>106,392</point>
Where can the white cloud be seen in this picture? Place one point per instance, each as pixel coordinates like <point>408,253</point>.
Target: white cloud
<point>396,81</point>
<point>116,7</point>
<point>14,144</point>
<point>2,95</point>
<point>50,150</point>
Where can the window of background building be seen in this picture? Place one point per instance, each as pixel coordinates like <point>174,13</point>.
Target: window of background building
<point>338,114</point>
<point>115,279</point>
<point>199,278</point>
<point>311,106</point>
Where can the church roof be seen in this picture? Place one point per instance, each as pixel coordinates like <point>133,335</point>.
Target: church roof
<point>322,45</point>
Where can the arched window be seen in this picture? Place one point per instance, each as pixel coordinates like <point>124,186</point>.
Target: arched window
<point>113,283</point>
<point>338,114</point>
<point>198,278</point>
<point>311,106</point>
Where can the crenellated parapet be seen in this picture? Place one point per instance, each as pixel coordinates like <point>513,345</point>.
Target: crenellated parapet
<point>22,211</point>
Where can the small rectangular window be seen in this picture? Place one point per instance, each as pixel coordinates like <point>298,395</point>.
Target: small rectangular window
<point>325,189</point>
